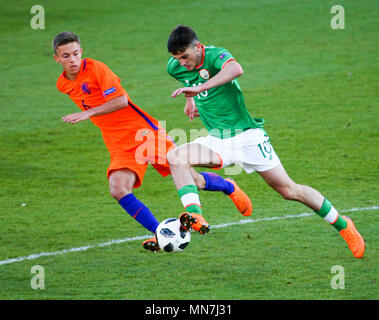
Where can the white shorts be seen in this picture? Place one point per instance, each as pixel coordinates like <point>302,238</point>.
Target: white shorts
<point>250,150</point>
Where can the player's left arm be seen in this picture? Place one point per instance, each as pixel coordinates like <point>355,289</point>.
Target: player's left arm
<point>108,107</point>
<point>190,109</point>
<point>231,70</point>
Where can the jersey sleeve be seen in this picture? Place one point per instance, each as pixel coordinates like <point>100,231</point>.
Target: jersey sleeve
<point>109,83</point>
<point>172,70</point>
<point>220,57</point>
<point>171,66</point>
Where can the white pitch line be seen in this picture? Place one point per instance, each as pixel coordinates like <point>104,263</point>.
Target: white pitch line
<point>117,241</point>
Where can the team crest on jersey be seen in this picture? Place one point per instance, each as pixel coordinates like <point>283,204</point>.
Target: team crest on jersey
<point>85,88</point>
<point>204,73</point>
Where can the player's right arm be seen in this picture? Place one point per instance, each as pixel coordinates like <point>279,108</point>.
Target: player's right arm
<point>108,107</point>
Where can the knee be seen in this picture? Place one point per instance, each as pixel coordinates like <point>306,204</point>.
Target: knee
<point>176,157</point>
<point>121,183</point>
<point>118,192</point>
<point>171,157</point>
<point>289,192</point>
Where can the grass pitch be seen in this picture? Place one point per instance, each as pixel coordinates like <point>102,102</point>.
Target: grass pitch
<point>316,87</point>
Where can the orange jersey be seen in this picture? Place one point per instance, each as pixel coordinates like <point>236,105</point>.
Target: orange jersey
<point>95,85</point>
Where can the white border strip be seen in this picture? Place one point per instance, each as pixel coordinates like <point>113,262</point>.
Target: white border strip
<point>117,241</point>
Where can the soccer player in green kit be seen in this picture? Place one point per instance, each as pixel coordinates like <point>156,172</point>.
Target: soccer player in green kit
<point>209,75</point>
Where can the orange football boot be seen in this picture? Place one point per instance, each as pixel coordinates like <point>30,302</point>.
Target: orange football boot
<point>194,221</point>
<point>240,199</point>
<point>353,238</point>
<point>151,244</point>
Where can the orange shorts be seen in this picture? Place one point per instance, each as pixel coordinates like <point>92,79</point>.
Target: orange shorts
<point>153,150</point>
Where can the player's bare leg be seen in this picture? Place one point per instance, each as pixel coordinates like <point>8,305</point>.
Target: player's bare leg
<point>278,179</point>
<point>181,161</point>
<point>121,184</point>
<point>188,182</point>
<point>189,155</point>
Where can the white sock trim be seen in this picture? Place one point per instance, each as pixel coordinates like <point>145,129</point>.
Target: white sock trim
<point>332,216</point>
<point>190,199</point>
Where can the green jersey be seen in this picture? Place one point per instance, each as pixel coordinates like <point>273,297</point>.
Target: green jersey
<point>222,109</point>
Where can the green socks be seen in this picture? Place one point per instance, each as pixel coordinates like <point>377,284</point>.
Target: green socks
<point>330,214</point>
<point>189,195</point>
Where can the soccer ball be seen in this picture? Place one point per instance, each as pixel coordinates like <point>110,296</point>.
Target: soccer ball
<point>171,236</point>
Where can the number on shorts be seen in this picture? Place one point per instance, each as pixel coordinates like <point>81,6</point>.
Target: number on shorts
<point>266,149</point>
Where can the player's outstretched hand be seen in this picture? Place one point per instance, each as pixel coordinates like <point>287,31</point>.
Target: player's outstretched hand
<point>76,117</point>
<point>188,92</point>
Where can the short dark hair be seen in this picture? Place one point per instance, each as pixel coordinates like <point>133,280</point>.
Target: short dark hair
<point>180,38</point>
<point>64,38</point>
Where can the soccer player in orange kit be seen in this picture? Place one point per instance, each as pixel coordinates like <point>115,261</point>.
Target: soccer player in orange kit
<point>132,136</point>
